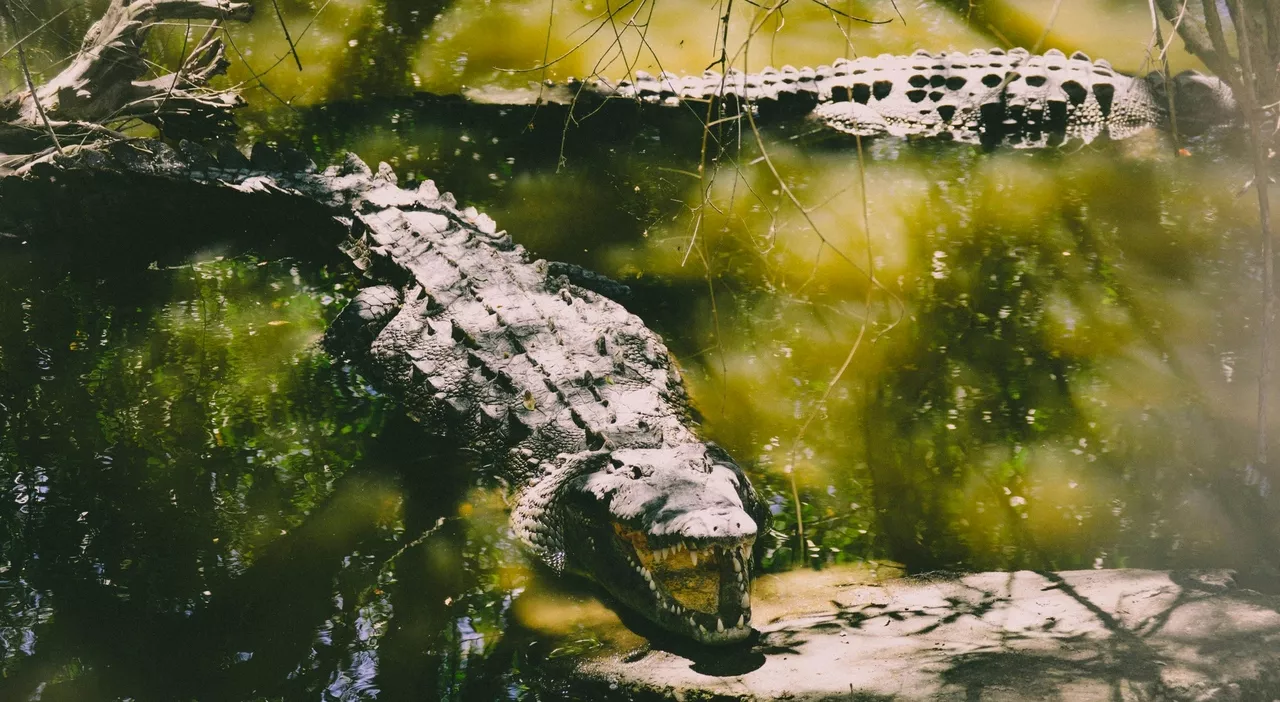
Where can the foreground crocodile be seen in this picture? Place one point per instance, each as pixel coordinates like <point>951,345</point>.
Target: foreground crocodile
<point>983,97</point>
<point>575,404</point>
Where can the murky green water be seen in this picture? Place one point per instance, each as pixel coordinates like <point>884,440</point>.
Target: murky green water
<point>1057,367</point>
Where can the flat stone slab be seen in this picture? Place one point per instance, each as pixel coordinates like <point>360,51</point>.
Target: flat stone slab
<point>1079,635</point>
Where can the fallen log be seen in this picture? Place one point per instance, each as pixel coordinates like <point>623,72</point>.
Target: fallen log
<point>102,89</point>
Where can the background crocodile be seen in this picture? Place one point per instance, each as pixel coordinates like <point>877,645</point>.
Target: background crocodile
<point>565,396</point>
<point>983,97</point>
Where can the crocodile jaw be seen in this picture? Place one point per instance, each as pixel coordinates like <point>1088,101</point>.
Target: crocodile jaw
<point>696,588</point>
<point>668,533</point>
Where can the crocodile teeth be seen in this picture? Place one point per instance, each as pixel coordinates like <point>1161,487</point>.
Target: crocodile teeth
<point>746,599</point>
<point>719,624</point>
<point>693,556</point>
<point>741,620</point>
<point>737,566</point>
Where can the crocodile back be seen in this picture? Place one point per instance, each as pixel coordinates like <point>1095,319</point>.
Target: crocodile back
<point>988,97</point>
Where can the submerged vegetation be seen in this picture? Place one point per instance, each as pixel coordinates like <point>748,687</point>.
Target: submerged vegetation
<point>1053,365</point>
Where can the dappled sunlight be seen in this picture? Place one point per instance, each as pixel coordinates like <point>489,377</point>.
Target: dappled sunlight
<point>1053,364</point>
<point>653,36</point>
<point>744,227</point>
<point>1027,291</point>
<point>561,615</point>
<point>346,51</point>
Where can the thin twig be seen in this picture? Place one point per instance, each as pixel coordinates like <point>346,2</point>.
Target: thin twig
<point>1048,27</point>
<point>894,4</point>
<point>440,522</point>
<point>256,75</point>
<point>26,75</point>
<point>288,39</point>
<point>182,64</point>
<point>855,18</point>
<point>853,350</point>
<point>301,35</point>
<point>34,32</point>
<point>546,51</point>
<point>1177,23</point>
<point>1264,216</point>
<point>1158,37</point>
<point>1213,27</point>
<point>545,64</point>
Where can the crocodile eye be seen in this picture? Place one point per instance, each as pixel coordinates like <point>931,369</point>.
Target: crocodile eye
<point>635,472</point>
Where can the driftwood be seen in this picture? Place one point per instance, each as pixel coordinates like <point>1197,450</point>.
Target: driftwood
<point>103,87</point>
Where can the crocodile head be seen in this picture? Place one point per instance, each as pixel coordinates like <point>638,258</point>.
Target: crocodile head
<point>1201,101</point>
<point>668,533</point>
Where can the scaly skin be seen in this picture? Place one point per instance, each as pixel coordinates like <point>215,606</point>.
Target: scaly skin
<point>983,97</point>
<point>575,403</point>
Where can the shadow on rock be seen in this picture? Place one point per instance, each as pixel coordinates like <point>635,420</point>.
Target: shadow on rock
<point>715,661</point>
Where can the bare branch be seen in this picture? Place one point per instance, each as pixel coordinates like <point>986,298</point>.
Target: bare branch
<point>292,49</point>
<point>102,84</point>
<point>26,76</point>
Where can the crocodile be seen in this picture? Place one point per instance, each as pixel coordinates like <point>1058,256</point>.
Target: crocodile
<point>989,97</point>
<point>568,399</point>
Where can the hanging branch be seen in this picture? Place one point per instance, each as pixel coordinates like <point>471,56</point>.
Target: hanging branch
<point>288,39</point>
<point>1249,99</point>
<point>1200,42</point>
<point>1254,80</point>
<point>26,75</point>
<point>102,85</point>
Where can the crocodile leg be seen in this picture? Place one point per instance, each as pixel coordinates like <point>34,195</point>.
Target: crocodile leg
<point>359,322</point>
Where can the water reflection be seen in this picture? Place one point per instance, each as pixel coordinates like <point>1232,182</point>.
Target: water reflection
<point>197,503</point>
<point>1056,371</point>
<point>1058,364</point>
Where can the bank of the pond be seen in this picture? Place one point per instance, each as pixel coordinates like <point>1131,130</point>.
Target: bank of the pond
<point>1122,634</point>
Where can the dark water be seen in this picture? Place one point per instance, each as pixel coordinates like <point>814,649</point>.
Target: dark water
<point>1057,368</point>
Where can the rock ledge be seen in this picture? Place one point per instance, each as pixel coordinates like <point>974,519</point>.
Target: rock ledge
<point>1080,635</point>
